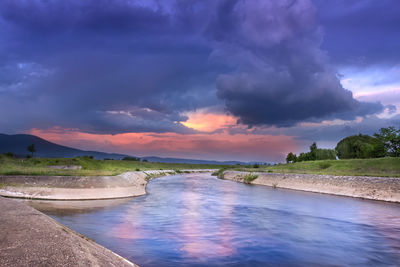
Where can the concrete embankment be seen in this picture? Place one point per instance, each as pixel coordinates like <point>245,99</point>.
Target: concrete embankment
<point>376,188</point>
<point>30,238</point>
<point>128,184</point>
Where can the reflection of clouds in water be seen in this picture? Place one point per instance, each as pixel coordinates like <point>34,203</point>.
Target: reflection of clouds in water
<point>206,249</point>
<point>129,226</point>
<point>204,220</point>
<point>226,226</point>
<point>126,230</point>
<point>384,223</point>
<point>198,241</point>
<point>190,228</point>
<point>66,207</point>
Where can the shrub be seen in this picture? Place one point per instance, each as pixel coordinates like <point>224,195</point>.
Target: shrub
<point>255,166</point>
<point>85,157</point>
<point>220,173</point>
<point>137,169</point>
<point>250,177</point>
<point>304,157</point>
<point>9,154</point>
<point>131,158</point>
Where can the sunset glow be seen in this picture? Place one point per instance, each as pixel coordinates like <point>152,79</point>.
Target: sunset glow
<point>208,122</point>
<point>200,145</point>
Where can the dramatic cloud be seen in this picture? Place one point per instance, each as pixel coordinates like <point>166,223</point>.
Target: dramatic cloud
<point>188,67</point>
<point>100,66</point>
<point>284,78</point>
<point>94,57</point>
<point>360,32</point>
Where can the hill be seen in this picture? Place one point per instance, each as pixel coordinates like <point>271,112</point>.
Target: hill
<point>17,144</point>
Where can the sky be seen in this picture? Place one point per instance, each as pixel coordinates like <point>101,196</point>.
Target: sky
<point>247,80</point>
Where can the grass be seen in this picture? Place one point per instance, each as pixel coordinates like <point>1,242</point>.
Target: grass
<point>39,166</point>
<point>386,167</point>
<point>90,167</point>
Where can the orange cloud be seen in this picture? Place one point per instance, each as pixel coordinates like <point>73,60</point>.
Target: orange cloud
<point>221,146</point>
<point>208,122</point>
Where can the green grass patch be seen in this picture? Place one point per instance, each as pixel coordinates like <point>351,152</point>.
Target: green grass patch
<point>385,167</point>
<point>90,167</point>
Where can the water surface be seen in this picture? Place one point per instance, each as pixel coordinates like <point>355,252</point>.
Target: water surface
<point>199,220</point>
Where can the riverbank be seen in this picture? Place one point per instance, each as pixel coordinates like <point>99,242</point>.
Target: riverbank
<point>30,238</point>
<point>128,184</point>
<point>86,166</point>
<point>375,188</point>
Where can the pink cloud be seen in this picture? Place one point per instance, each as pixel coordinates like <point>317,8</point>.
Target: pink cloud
<point>220,146</point>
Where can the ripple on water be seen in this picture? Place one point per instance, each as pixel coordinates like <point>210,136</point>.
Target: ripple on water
<point>201,220</point>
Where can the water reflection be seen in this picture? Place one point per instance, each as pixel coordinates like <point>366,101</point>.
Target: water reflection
<point>200,220</point>
<point>62,208</point>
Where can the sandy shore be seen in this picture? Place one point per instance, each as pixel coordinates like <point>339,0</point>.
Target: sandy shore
<point>128,184</point>
<point>30,238</point>
<point>376,188</point>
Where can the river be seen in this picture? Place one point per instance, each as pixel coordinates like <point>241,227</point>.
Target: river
<point>199,220</point>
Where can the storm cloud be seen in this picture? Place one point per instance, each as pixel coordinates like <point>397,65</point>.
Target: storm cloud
<point>136,66</point>
<point>360,32</point>
<point>285,77</point>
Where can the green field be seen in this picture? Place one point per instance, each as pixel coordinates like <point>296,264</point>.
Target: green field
<point>351,167</point>
<point>90,167</point>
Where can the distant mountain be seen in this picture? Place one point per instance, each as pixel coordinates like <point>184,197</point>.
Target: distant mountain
<point>18,143</point>
<point>194,161</point>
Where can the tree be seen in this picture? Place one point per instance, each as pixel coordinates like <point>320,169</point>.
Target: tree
<point>31,148</point>
<point>313,151</point>
<point>390,138</point>
<point>290,158</point>
<point>323,154</point>
<point>360,146</point>
<point>304,157</point>
<point>315,154</point>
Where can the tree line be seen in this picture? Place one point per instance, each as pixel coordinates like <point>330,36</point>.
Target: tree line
<point>384,143</point>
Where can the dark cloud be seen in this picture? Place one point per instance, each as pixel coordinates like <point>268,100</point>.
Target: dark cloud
<point>134,66</point>
<point>94,57</point>
<point>360,32</point>
<point>286,77</point>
